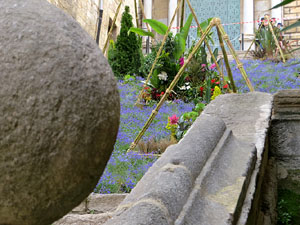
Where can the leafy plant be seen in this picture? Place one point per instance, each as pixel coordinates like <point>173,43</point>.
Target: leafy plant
<point>160,28</point>
<point>125,56</point>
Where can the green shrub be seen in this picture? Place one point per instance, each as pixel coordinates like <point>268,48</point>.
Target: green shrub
<point>125,57</point>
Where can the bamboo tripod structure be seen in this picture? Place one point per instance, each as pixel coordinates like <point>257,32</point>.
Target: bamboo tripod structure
<point>215,22</point>
<point>274,36</point>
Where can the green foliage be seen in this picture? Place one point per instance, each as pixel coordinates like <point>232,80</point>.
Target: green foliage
<point>288,207</point>
<point>159,27</point>
<point>187,119</point>
<point>125,56</point>
<point>141,32</point>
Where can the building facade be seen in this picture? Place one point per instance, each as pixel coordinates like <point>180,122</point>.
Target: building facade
<point>238,16</point>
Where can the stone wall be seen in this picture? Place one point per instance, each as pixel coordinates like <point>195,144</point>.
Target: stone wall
<point>292,10</point>
<point>109,11</point>
<point>212,174</point>
<point>85,12</point>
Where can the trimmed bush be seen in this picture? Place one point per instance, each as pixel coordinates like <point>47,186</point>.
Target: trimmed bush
<point>125,56</point>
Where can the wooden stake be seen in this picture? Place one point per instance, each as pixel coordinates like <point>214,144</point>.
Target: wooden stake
<point>182,14</point>
<point>172,85</point>
<point>112,27</point>
<point>275,38</point>
<point>207,44</point>
<point>136,14</point>
<point>253,41</point>
<point>144,16</point>
<point>238,62</point>
<point>227,65</point>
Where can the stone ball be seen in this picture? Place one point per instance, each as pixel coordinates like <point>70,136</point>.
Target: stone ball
<point>59,113</point>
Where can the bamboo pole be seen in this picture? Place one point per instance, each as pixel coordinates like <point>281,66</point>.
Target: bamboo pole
<point>226,60</point>
<point>144,16</point>
<point>157,56</point>
<point>206,43</point>
<point>253,41</point>
<point>136,14</point>
<point>238,62</point>
<point>182,14</point>
<point>275,38</point>
<point>112,26</point>
<point>172,85</point>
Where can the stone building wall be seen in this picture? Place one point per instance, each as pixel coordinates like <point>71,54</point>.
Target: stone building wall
<point>292,10</point>
<point>109,10</point>
<point>85,12</point>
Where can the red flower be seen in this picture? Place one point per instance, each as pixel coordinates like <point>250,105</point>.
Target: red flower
<point>213,81</point>
<point>225,86</point>
<point>201,89</point>
<point>162,93</point>
<point>212,89</point>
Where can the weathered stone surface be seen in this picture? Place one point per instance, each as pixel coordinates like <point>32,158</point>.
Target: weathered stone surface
<point>248,116</point>
<point>286,105</point>
<point>221,187</point>
<point>59,113</point>
<point>170,180</point>
<point>100,203</point>
<point>142,213</point>
<point>87,219</point>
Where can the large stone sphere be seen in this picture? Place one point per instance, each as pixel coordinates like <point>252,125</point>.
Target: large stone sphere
<point>59,113</point>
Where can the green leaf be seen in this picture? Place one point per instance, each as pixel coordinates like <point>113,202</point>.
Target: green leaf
<point>292,26</point>
<point>179,46</point>
<point>159,27</point>
<point>285,2</point>
<point>154,79</point>
<point>185,29</point>
<point>140,32</point>
<point>215,53</point>
<point>204,25</point>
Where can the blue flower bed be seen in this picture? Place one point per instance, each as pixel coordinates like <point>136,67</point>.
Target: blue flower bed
<point>124,169</point>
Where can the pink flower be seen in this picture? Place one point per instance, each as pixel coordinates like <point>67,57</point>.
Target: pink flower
<point>173,119</point>
<point>212,66</point>
<point>181,61</point>
<point>203,65</point>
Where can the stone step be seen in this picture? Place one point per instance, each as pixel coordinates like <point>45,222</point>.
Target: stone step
<point>95,210</point>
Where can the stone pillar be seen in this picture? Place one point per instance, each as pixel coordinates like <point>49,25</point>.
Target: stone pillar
<point>172,8</point>
<point>248,28</point>
<point>277,13</point>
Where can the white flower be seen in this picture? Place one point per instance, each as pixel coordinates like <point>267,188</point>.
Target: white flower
<point>182,88</point>
<point>163,76</point>
<point>188,87</point>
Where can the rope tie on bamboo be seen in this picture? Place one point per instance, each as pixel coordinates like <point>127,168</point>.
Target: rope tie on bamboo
<point>133,145</point>
<point>225,37</point>
<point>168,91</point>
<point>155,112</point>
<point>240,65</point>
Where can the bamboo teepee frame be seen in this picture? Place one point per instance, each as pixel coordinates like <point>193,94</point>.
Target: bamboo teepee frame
<point>274,36</point>
<point>215,22</point>
<point>223,37</point>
